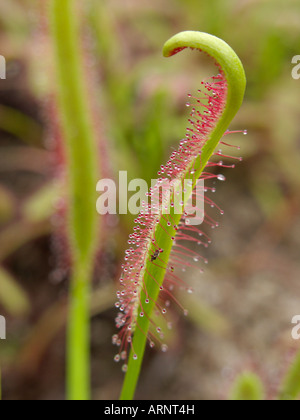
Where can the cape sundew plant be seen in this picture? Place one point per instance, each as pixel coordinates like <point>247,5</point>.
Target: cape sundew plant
<point>160,242</point>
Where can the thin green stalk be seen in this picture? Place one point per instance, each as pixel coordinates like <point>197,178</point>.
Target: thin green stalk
<point>82,173</point>
<point>236,83</point>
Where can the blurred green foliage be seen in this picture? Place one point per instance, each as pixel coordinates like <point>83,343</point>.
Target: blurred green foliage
<point>140,100</point>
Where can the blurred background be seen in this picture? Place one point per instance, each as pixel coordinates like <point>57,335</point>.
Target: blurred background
<point>240,314</point>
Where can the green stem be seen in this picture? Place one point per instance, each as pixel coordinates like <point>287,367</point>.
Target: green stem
<point>232,68</point>
<point>82,173</point>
